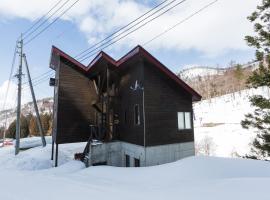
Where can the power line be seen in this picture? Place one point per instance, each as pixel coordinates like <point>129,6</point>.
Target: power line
<point>41,80</point>
<point>10,75</point>
<point>117,31</point>
<point>182,21</point>
<point>41,24</point>
<point>37,77</point>
<point>137,23</point>
<point>37,21</point>
<point>46,27</point>
<point>7,91</point>
<point>86,56</point>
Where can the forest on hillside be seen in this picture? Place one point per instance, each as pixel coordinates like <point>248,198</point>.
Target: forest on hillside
<point>231,80</point>
<point>29,126</point>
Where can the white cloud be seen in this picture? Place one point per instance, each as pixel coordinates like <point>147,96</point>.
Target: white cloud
<point>11,100</point>
<point>218,29</point>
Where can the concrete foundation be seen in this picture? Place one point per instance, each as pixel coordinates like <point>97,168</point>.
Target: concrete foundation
<point>114,153</point>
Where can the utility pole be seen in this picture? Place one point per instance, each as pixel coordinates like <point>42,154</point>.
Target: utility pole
<point>19,76</point>
<point>40,128</point>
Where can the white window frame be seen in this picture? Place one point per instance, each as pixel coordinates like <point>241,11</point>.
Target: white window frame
<point>184,120</point>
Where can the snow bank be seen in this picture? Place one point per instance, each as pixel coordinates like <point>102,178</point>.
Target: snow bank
<point>37,158</point>
<point>31,142</point>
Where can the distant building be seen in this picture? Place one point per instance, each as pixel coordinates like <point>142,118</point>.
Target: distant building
<point>137,108</point>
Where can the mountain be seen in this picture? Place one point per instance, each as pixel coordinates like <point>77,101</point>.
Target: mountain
<point>44,106</point>
<point>212,82</point>
<point>200,71</point>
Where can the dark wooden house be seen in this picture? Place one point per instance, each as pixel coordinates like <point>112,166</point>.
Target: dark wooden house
<point>139,110</point>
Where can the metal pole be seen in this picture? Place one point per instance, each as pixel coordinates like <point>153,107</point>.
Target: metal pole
<point>40,128</point>
<point>56,155</point>
<point>52,149</point>
<point>18,123</point>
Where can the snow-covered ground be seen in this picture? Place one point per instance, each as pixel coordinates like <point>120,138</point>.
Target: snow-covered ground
<point>30,176</point>
<point>217,123</point>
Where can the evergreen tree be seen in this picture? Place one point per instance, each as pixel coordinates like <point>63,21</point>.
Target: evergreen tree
<point>45,122</point>
<point>24,127</point>
<point>51,124</point>
<point>11,131</point>
<point>2,129</point>
<point>33,128</point>
<point>260,118</point>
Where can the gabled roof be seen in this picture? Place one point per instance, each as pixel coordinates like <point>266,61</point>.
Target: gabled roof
<point>138,50</point>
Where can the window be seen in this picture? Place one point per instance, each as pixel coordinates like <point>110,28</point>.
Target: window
<point>136,162</point>
<point>137,115</point>
<point>184,120</point>
<point>127,161</point>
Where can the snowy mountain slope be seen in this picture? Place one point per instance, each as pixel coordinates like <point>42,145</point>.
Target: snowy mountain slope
<point>200,71</point>
<point>191,72</point>
<point>192,178</point>
<point>218,119</point>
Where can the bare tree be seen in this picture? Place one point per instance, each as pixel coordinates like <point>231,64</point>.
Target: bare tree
<point>206,147</point>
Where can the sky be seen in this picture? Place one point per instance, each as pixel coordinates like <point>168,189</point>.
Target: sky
<point>214,37</point>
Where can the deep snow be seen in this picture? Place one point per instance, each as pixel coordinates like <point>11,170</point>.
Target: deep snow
<point>30,176</point>
<point>219,119</point>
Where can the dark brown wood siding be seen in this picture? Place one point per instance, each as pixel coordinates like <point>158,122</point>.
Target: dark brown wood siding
<point>163,99</point>
<point>128,131</point>
<point>74,112</point>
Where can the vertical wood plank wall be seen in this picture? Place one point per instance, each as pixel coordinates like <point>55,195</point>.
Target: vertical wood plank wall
<point>163,99</point>
<point>129,131</point>
<point>74,111</point>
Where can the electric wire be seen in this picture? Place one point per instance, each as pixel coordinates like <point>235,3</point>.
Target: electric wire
<point>39,76</point>
<point>41,80</point>
<point>83,57</point>
<point>145,23</point>
<point>47,19</point>
<point>37,21</point>
<point>7,91</point>
<point>181,22</point>
<point>122,28</point>
<point>46,27</point>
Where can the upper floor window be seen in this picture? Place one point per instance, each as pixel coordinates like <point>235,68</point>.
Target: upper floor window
<point>137,115</point>
<point>184,120</point>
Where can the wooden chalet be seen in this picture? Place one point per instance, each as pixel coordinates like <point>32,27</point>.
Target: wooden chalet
<point>138,110</point>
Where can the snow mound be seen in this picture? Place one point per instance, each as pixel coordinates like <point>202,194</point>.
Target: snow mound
<point>37,158</point>
<point>31,142</point>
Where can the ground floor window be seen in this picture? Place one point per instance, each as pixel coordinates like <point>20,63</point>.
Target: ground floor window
<point>136,162</point>
<point>127,161</point>
<point>184,120</point>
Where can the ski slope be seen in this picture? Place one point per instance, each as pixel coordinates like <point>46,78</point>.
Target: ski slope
<point>30,176</point>
<point>219,119</point>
